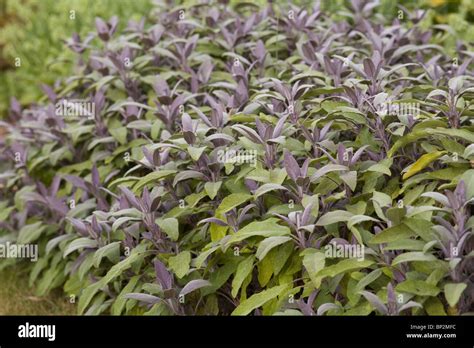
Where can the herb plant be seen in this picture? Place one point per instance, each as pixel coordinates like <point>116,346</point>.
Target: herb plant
<point>236,154</point>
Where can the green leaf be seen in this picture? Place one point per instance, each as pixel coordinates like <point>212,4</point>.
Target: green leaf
<point>111,251</point>
<point>279,256</point>
<point>154,176</point>
<point>77,132</point>
<point>88,293</point>
<point>212,188</point>
<point>396,214</point>
<point>434,306</point>
<point>422,133</point>
<point>350,178</point>
<point>155,129</point>
<point>30,233</point>
<point>382,199</point>
<point>277,176</point>
<point>187,174</point>
<point>217,232</point>
<point>413,256</point>
<point>232,201</point>
<point>142,125</point>
<point>80,243</point>
<point>265,271</point>
<point>47,280</point>
<point>268,244</point>
<point>267,188</point>
<point>244,268</point>
<point>357,219</point>
<point>422,163</point>
<point>258,300</point>
<point>405,244</point>
<point>170,226</point>
<point>418,287</point>
<point>314,263</point>
<point>120,134</point>
<point>333,217</point>
<point>220,276</point>
<point>275,39</point>
<point>121,220</point>
<point>196,152</point>
<point>204,255</point>
<point>392,234</point>
<point>138,253</point>
<point>120,301</point>
<point>468,178</point>
<point>368,279</point>
<point>126,181</point>
<point>361,310</point>
<point>468,151</point>
<point>314,200</point>
<point>458,133</point>
<point>5,212</point>
<point>420,227</point>
<point>194,198</point>
<point>327,169</point>
<point>343,267</point>
<point>179,264</point>
<point>267,228</point>
<point>57,240</point>
<point>453,292</point>
<point>380,168</point>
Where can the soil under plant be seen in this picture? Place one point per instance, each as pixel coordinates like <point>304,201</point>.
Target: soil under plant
<point>18,298</point>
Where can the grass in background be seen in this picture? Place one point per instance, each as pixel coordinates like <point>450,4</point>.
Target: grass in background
<point>35,30</point>
<point>17,298</point>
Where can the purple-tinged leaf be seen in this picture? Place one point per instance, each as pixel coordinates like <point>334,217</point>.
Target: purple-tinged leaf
<point>162,275</point>
<point>291,166</point>
<point>194,285</point>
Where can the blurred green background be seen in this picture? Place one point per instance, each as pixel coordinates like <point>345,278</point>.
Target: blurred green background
<point>35,30</point>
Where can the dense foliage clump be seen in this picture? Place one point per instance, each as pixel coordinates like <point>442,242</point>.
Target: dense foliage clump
<point>251,160</point>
